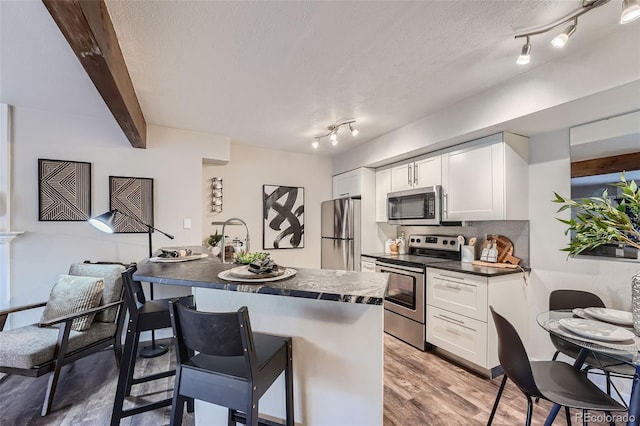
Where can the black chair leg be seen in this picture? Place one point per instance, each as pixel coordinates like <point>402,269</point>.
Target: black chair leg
<point>230,421</point>
<point>177,406</point>
<point>128,358</point>
<point>529,410</point>
<point>567,412</point>
<point>288,377</point>
<point>132,365</point>
<point>495,404</point>
<point>61,348</point>
<point>252,412</point>
<point>190,405</point>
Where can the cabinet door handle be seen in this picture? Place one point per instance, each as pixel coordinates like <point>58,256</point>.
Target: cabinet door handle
<point>415,174</point>
<point>453,286</point>
<point>409,174</point>
<point>343,194</point>
<point>449,277</point>
<point>445,204</point>
<point>455,321</point>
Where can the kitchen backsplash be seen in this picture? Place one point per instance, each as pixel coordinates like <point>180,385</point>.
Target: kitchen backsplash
<point>516,230</point>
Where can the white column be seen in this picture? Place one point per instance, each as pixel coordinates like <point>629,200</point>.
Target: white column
<point>6,235</point>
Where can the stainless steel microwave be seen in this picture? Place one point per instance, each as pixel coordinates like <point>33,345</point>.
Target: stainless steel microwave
<point>422,206</point>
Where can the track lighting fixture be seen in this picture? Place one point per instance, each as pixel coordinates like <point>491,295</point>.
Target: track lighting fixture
<point>333,132</point>
<point>561,39</point>
<point>525,54</point>
<point>630,13</point>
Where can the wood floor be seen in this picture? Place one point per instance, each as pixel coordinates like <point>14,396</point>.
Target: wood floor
<point>420,389</point>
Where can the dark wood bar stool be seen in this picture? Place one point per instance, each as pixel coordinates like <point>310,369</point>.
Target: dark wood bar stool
<point>233,368</point>
<point>144,315</point>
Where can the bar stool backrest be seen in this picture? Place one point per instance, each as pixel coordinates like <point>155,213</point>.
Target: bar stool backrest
<point>134,294</point>
<point>224,334</point>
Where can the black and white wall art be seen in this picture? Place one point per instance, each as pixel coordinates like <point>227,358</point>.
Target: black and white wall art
<point>283,214</point>
<point>134,197</point>
<point>64,190</point>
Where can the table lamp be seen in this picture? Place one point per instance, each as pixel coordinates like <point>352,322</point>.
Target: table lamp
<point>106,223</point>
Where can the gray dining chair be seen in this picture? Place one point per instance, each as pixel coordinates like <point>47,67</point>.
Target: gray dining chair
<point>555,381</point>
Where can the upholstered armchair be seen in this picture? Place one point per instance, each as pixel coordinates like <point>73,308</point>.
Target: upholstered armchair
<point>83,315</point>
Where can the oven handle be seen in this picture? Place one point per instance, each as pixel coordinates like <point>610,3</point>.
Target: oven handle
<point>395,268</point>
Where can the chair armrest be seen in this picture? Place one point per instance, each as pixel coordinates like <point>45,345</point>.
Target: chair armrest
<point>22,308</point>
<point>71,317</point>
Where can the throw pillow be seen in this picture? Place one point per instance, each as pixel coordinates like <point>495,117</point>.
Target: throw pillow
<point>73,294</point>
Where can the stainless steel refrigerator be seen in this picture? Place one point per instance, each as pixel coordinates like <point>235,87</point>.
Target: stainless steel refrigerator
<point>340,232</point>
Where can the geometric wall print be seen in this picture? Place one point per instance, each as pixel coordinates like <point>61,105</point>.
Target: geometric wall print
<point>283,215</point>
<point>64,190</point>
<point>134,197</point>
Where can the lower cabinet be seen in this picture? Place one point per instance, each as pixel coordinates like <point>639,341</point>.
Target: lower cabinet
<point>458,317</point>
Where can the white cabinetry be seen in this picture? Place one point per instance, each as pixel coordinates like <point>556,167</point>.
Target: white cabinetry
<point>486,179</point>
<point>458,317</point>
<point>383,187</point>
<point>367,264</point>
<point>420,173</point>
<point>348,184</point>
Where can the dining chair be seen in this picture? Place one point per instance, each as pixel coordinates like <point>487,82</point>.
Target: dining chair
<point>567,299</point>
<point>82,316</point>
<point>233,366</point>
<point>144,315</point>
<point>555,381</point>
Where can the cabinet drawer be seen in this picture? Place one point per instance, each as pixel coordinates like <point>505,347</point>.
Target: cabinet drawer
<point>462,336</point>
<point>463,294</point>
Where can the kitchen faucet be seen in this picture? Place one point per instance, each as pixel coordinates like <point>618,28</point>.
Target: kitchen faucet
<point>233,221</point>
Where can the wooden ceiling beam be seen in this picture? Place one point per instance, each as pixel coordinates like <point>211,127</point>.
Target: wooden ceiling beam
<point>601,166</point>
<point>87,26</point>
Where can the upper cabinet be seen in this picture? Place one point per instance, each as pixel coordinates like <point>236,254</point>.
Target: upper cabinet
<point>486,179</point>
<point>420,173</point>
<point>383,187</point>
<point>355,184</point>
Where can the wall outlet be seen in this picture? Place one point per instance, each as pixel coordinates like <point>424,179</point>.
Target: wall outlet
<point>186,223</point>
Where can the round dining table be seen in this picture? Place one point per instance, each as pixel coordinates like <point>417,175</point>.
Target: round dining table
<point>627,351</point>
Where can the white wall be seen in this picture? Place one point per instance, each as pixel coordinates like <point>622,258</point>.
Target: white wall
<point>248,169</point>
<point>173,158</point>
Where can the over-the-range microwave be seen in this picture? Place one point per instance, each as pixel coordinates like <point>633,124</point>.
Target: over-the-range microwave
<point>422,206</point>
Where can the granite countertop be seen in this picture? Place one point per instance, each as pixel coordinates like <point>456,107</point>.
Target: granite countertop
<point>468,268</point>
<point>322,284</point>
<point>456,266</point>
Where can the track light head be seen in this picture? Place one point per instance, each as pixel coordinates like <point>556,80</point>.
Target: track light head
<point>334,135</point>
<point>561,39</point>
<point>630,11</point>
<point>525,54</point>
<point>334,142</point>
<point>315,144</point>
<point>354,131</point>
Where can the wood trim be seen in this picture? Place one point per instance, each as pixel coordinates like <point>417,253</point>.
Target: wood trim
<point>600,166</point>
<point>89,31</point>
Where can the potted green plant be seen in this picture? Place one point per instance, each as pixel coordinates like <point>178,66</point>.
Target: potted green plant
<point>213,242</point>
<point>600,220</point>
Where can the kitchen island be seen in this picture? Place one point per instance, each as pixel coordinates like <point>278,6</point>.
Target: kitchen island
<point>335,319</point>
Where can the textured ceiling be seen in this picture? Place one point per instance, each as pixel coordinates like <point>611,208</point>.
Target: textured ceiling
<point>275,74</point>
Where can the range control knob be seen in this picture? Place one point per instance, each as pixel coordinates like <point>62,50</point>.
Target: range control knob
<point>445,242</point>
<point>452,242</point>
<point>418,240</point>
<point>413,240</point>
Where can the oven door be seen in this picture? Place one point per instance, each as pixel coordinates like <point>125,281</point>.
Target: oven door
<point>405,290</point>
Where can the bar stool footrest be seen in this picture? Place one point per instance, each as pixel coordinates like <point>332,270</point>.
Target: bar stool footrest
<point>240,417</point>
<point>145,408</point>
<point>153,377</point>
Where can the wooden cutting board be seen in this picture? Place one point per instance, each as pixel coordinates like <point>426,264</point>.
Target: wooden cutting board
<point>505,249</point>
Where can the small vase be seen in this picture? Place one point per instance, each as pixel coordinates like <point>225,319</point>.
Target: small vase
<point>635,302</point>
<point>215,250</point>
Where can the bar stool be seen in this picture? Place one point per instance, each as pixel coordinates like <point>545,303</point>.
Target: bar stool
<point>233,368</point>
<point>144,315</point>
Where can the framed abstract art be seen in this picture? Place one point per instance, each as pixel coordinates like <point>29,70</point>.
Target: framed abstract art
<point>134,197</point>
<point>283,217</point>
<point>64,190</point>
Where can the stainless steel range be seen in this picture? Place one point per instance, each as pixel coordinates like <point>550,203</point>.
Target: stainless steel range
<point>405,300</point>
